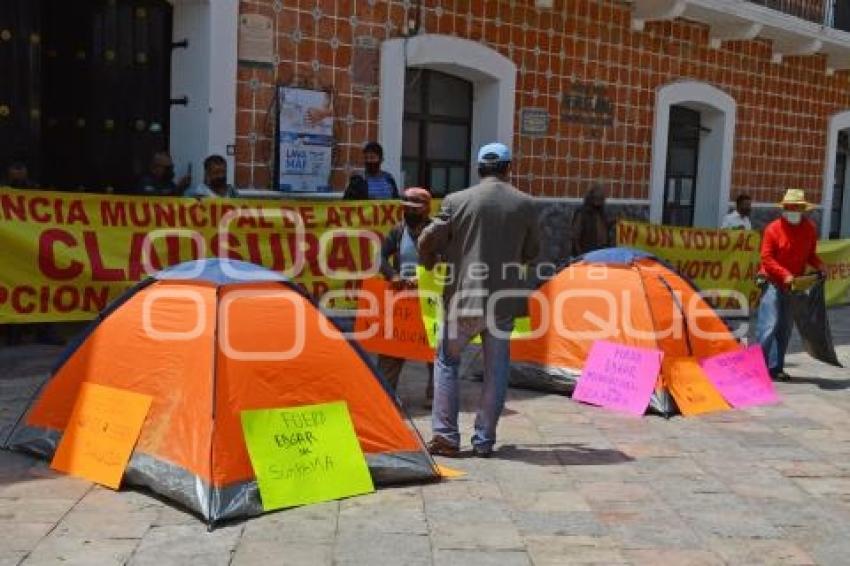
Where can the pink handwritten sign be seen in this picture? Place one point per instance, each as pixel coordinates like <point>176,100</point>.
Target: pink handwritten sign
<point>741,377</point>
<point>620,378</point>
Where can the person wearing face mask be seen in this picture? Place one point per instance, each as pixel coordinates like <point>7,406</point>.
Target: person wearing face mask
<point>591,226</point>
<point>215,180</point>
<point>399,259</point>
<point>159,180</point>
<point>375,183</point>
<point>788,247</point>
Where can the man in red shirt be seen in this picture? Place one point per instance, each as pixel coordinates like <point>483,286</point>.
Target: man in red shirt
<point>787,247</point>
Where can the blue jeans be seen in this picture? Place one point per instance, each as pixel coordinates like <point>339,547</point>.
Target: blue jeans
<point>446,406</point>
<point>773,327</point>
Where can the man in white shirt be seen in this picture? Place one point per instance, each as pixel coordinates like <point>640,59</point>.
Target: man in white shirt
<point>739,219</point>
<point>215,181</point>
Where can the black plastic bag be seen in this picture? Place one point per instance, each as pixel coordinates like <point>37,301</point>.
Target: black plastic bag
<point>809,308</point>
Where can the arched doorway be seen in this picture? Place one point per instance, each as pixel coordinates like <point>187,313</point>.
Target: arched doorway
<point>455,62</point>
<point>836,193</point>
<point>692,148</point>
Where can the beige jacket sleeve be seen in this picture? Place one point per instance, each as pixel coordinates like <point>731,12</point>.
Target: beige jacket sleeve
<point>435,237</point>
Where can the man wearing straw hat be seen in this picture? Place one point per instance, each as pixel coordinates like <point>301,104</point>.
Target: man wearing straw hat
<point>787,247</point>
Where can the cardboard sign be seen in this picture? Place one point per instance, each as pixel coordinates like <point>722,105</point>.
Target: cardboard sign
<point>620,378</point>
<point>305,455</point>
<point>431,284</point>
<point>406,337</point>
<point>741,377</point>
<point>101,433</point>
<point>693,392</point>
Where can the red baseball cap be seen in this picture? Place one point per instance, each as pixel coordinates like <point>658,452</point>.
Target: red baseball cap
<point>416,197</point>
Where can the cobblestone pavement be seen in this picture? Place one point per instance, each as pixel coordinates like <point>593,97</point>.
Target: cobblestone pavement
<point>570,484</point>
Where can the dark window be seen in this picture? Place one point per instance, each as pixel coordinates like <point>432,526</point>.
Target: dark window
<point>681,178</point>
<point>838,195</point>
<point>90,85</point>
<point>436,138</point>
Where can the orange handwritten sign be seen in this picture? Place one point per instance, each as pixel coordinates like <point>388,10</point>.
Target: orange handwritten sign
<point>693,392</point>
<point>396,328</point>
<point>101,433</point>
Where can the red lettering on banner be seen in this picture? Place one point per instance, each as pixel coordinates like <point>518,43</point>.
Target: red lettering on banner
<point>47,263</point>
<point>140,214</point>
<point>17,293</point>
<point>368,255</point>
<point>276,247</point>
<point>659,236</point>
<point>13,206</point>
<point>700,269</point>
<point>340,257</point>
<point>627,234</point>
<point>77,213</point>
<point>247,217</point>
<point>42,210</point>
<point>172,241</point>
<point>136,262</point>
<point>36,212</point>
<point>745,242</point>
<point>225,247</point>
<point>332,218</point>
<point>361,215</point>
<point>66,299</point>
<point>734,271</point>
<point>99,272</point>
<point>288,214</point>
<point>164,215</point>
<point>113,213</point>
<point>349,212</point>
<point>308,216</point>
<point>199,218</point>
<point>255,254</point>
<point>309,250</point>
<point>391,214</point>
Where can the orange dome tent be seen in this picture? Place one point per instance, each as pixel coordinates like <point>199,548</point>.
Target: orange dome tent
<point>620,295</point>
<point>207,340</point>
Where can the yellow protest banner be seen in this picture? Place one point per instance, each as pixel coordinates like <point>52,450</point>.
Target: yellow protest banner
<point>721,260</point>
<point>728,259</point>
<point>836,255</point>
<point>101,434</point>
<point>66,255</point>
<point>304,455</point>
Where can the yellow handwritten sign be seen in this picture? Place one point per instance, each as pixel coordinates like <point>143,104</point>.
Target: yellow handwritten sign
<point>305,455</point>
<point>101,433</point>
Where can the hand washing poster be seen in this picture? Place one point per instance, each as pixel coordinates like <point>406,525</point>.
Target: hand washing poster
<point>305,136</point>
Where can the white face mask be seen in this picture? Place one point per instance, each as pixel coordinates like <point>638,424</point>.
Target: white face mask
<point>793,217</point>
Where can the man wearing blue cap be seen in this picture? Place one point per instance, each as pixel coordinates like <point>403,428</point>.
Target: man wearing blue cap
<point>484,234</point>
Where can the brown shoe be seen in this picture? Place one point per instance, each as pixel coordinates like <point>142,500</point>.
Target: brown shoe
<point>439,446</point>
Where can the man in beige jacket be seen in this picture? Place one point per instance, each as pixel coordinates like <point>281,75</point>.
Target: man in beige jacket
<point>486,234</point>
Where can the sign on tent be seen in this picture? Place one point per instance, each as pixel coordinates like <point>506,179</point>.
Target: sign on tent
<point>304,455</point>
<point>101,433</point>
<point>741,377</point>
<point>619,377</point>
